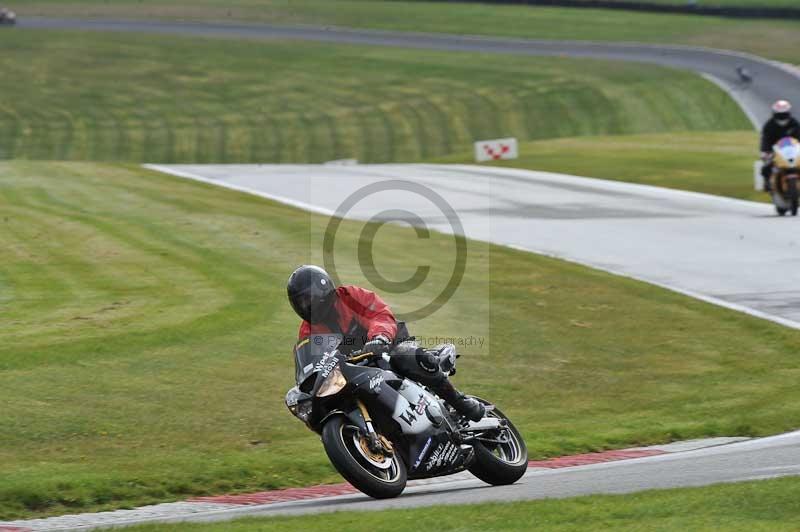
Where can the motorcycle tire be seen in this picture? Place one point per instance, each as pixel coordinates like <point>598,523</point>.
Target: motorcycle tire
<point>339,439</point>
<point>494,469</point>
<point>792,194</point>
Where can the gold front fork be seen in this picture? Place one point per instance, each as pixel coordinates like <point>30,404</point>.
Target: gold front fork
<point>387,445</point>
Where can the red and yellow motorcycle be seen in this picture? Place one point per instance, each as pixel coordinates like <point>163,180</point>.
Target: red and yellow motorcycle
<point>785,173</point>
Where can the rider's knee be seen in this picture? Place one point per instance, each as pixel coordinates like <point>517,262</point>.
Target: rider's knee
<point>404,357</point>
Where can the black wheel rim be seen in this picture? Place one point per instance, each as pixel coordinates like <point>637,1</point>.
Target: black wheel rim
<point>509,449</point>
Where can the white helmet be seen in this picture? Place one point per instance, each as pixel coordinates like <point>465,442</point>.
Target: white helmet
<point>781,112</point>
<point>781,106</point>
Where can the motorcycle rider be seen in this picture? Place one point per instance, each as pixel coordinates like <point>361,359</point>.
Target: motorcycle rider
<point>781,124</point>
<point>368,324</point>
<point>7,16</point>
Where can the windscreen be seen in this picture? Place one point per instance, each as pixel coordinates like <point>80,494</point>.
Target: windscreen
<point>309,351</point>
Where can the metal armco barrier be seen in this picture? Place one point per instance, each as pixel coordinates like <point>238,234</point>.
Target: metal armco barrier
<point>679,7</point>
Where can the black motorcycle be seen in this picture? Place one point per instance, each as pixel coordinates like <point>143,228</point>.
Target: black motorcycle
<point>380,429</point>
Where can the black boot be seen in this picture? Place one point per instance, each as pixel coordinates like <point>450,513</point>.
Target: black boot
<point>466,406</point>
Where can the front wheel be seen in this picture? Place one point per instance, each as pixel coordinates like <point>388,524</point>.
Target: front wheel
<point>792,195</point>
<point>501,456</point>
<point>378,476</point>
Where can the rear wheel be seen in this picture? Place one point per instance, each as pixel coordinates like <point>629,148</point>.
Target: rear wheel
<point>501,456</point>
<point>376,475</point>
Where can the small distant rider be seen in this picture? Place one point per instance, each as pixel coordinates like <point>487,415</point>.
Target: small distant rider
<point>781,124</point>
<point>368,324</point>
<point>7,16</point>
<point>745,77</point>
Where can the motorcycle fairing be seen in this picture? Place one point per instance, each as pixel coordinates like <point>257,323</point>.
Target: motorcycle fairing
<point>423,437</point>
<point>787,153</point>
<point>428,448</point>
<point>437,454</point>
<point>312,351</point>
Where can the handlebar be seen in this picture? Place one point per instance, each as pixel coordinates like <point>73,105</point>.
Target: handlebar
<point>358,356</point>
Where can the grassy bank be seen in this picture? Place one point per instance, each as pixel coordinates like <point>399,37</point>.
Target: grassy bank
<point>766,505</point>
<point>714,163</point>
<point>90,96</point>
<point>144,352</point>
<point>770,38</point>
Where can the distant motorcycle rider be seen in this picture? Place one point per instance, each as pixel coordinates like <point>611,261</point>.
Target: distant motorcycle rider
<point>368,324</point>
<point>781,124</point>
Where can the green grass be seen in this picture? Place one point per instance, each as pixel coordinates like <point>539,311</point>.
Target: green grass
<point>145,347</point>
<point>714,163</point>
<point>90,96</point>
<point>765,505</point>
<point>771,38</point>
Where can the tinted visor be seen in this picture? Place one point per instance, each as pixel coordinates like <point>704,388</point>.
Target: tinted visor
<point>781,116</point>
<point>313,303</point>
<point>303,303</point>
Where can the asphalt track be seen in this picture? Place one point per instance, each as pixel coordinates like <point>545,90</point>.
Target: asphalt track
<point>771,80</point>
<point>733,253</point>
<point>765,458</point>
<point>683,464</point>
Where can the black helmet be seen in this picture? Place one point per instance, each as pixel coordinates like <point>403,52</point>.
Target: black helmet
<point>311,293</point>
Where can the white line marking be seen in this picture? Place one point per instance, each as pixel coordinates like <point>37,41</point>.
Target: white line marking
<point>708,299</point>
<point>280,199</point>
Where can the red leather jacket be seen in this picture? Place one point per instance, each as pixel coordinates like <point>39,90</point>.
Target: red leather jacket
<point>362,315</point>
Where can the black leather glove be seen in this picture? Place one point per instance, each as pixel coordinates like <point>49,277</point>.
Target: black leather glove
<point>378,345</point>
